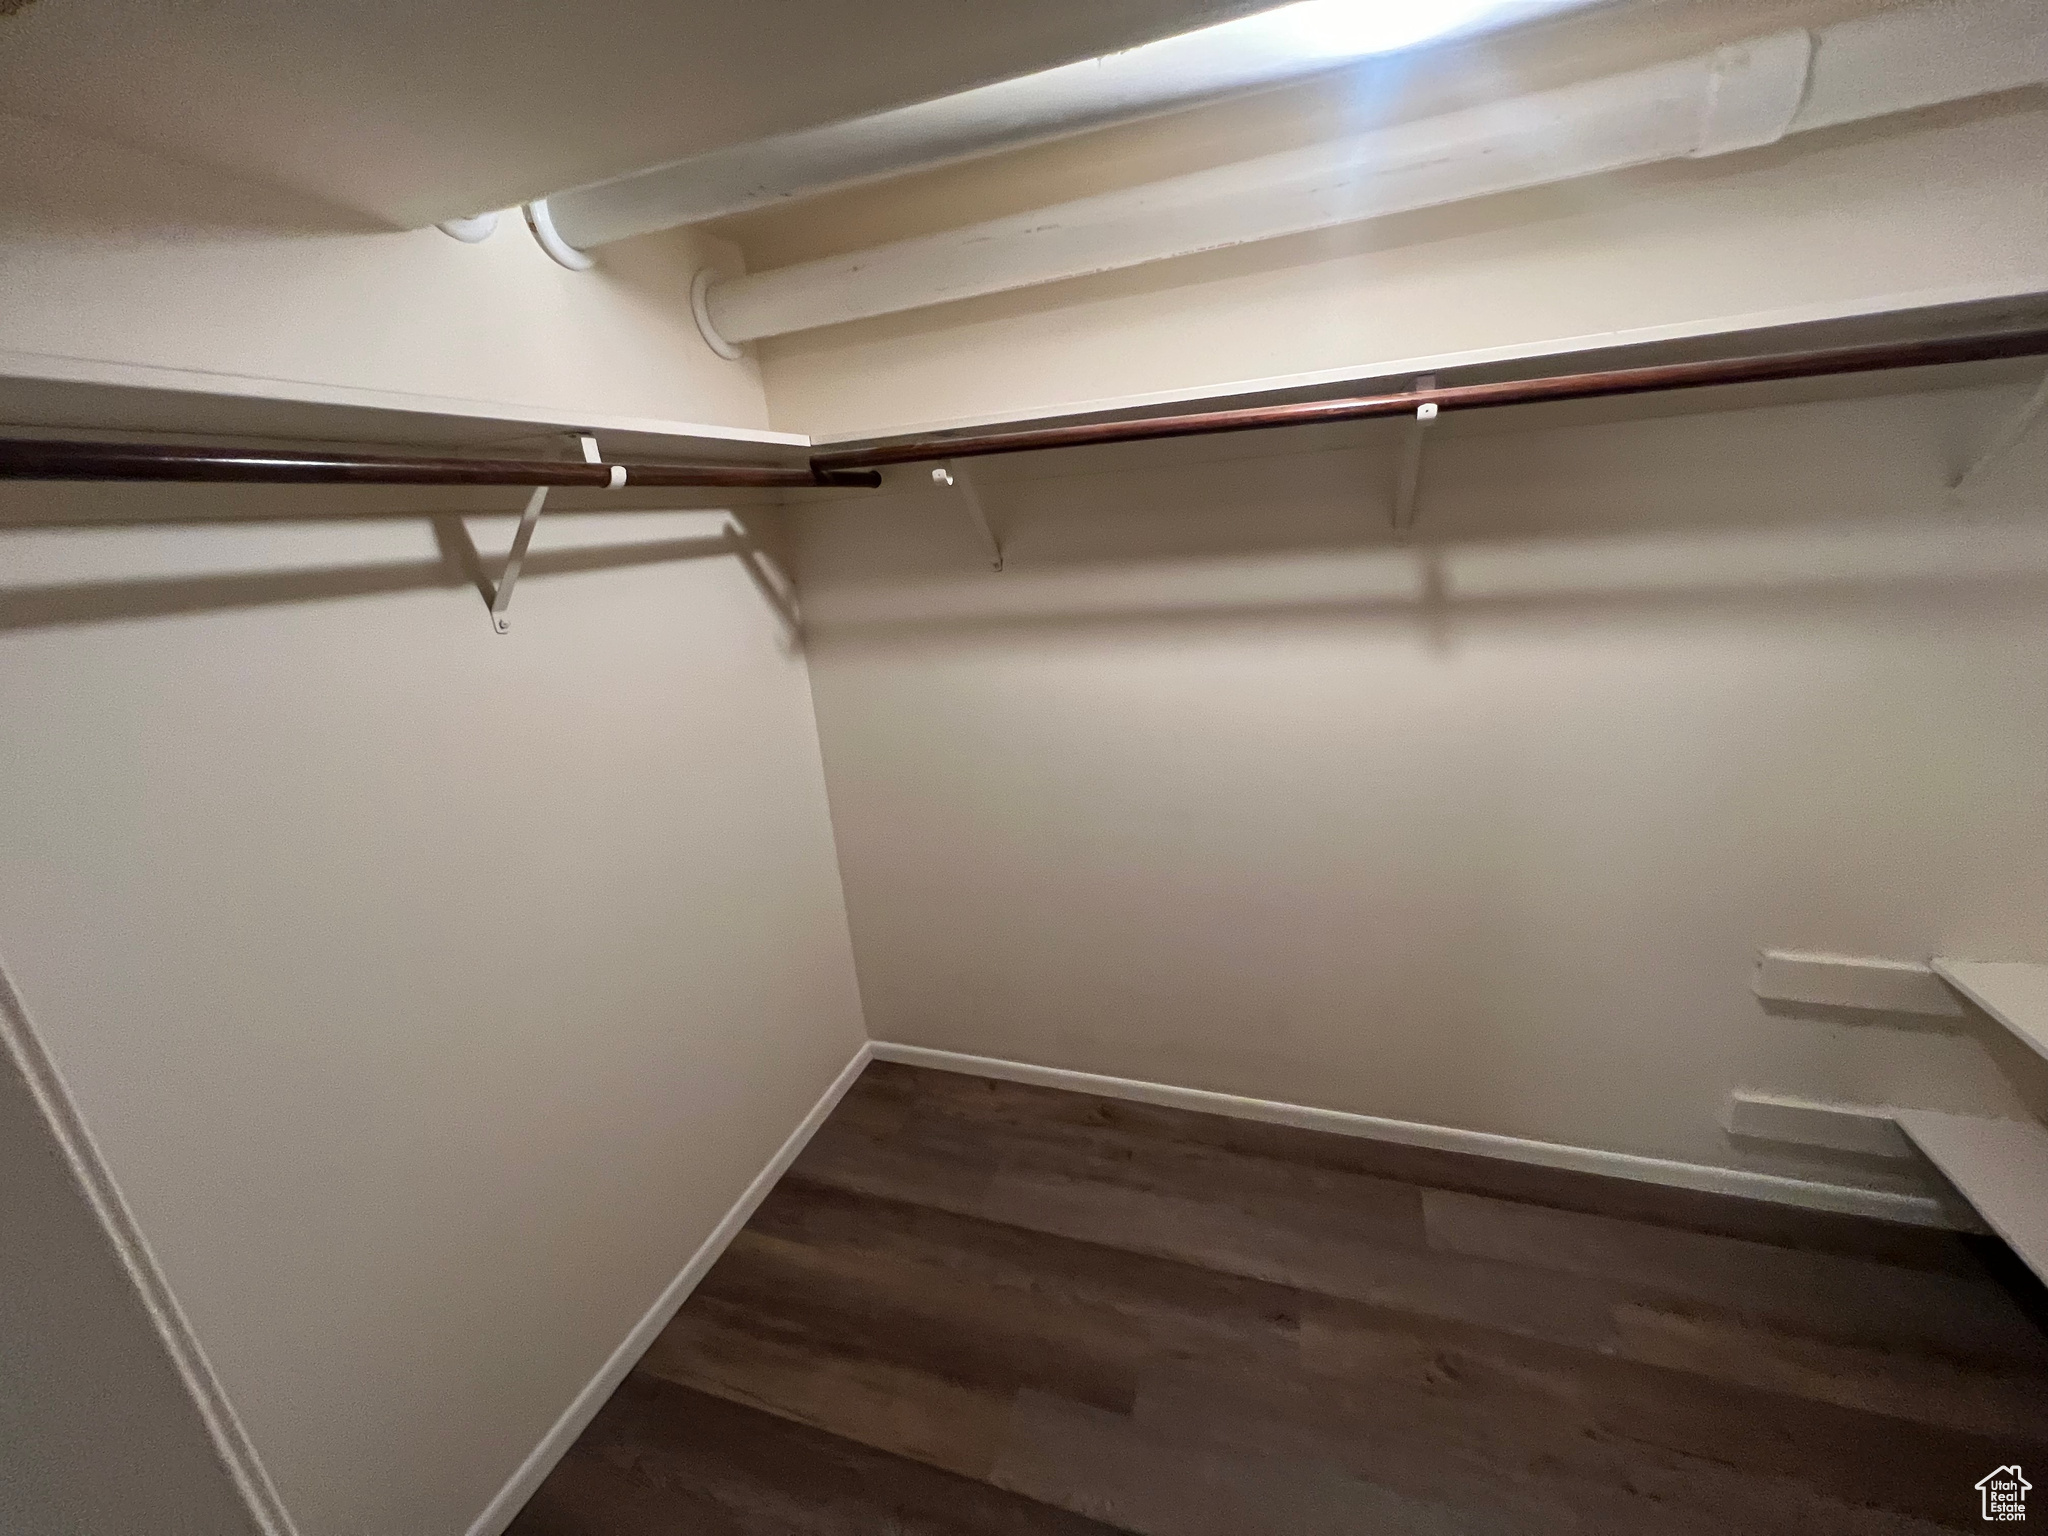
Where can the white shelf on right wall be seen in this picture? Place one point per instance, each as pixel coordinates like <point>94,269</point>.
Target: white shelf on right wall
<point>2014,992</point>
<point>1999,1166</point>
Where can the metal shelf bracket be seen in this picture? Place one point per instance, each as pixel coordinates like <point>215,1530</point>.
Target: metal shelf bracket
<point>1411,458</point>
<point>501,596</point>
<point>951,474</point>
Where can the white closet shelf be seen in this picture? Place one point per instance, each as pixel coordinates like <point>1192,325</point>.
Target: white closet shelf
<point>1897,317</point>
<point>84,397</point>
<point>1999,1166</point>
<point>96,397</point>
<point>2014,992</point>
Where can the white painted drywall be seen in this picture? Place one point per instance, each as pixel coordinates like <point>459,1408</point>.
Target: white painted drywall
<point>1219,785</point>
<point>84,1365</point>
<point>432,993</point>
<point>418,112</point>
<point>115,262</point>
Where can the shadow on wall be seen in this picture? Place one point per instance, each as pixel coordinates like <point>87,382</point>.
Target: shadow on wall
<point>1794,512</point>
<point>451,534</point>
<point>2020,1067</point>
<point>2023,1071</point>
<point>460,565</point>
<point>57,183</point>
<point>1435,606</point>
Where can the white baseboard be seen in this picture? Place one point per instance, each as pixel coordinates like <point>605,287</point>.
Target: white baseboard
<point>1811,1194</point>
<point>555,1444</point>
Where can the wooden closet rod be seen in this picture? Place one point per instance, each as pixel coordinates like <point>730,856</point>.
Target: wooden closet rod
<point>50,459</point>
<point>1457,397</point>
<point>46,459</point>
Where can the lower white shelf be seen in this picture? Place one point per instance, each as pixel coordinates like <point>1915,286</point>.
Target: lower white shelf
<point>1999,1166</point>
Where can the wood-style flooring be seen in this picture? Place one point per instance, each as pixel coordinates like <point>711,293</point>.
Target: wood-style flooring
<point>975,1307</point>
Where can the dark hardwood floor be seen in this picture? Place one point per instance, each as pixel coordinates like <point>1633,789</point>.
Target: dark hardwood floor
<point>974,1307</point>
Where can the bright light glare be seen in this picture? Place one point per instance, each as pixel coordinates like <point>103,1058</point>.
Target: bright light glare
<point>1347,29</point>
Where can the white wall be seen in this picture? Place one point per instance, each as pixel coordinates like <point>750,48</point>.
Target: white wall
<point>413,113</point>
<point>431,992</point>
<point>1218,784</point>
<point>125,266</point>
<point>83,1365</point>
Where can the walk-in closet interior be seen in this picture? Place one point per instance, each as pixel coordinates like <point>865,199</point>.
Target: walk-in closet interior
<point>1110,767</point>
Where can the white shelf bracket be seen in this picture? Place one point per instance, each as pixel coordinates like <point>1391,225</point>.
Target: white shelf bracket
<point>501,596</point>
<point>2014,429</point>
<point>1411,458</point>
<point>950,474</point>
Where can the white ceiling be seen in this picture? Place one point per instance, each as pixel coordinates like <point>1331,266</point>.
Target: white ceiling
<point>410,111</point>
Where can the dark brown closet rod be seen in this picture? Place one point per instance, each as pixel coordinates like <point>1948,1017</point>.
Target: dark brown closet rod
<point>1457,397</point>
<point>42,459</point>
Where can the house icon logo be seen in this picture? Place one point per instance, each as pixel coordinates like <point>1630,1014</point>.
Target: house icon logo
<point>2005,1494</point>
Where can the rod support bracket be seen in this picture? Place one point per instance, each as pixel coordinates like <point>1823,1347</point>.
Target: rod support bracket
<point>541,220</point>
<point>700,310</point>
<point>1410,479</point>
<point>951,474</point>
<point>501,595</point>
<point>588,442</point>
